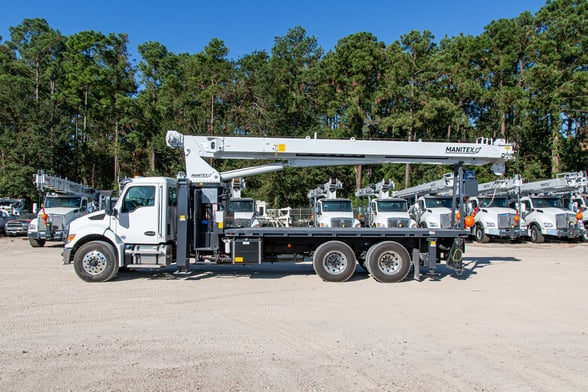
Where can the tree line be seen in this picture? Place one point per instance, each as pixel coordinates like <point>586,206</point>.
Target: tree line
<point>80,107</point>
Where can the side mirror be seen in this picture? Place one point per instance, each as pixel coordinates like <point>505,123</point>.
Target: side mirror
<point>108,207</point>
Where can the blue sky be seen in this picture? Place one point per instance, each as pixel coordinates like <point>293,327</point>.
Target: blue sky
<point>246,26</point>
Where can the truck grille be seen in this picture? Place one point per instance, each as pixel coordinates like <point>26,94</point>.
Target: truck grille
<point>14,226</point>
<point>398,222</point>
<point>56,222</point>
<point>445,221</point>
<point>506,221</point>
<point>342,222</point>
<point>564,221</point>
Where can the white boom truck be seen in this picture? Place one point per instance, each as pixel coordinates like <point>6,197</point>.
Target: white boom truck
<point>242,209</point>
<point>65,201</point>
<point>328,210</point>
<point>542,208</point>
<point>577,200</point>
<point>432,202</point>
<point>158,221</point>
<point>384,210</point>
<point>493,215</point>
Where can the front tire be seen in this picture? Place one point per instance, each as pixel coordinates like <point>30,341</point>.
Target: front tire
<point>35,243</point>
<point>334,261</point>
<point>96,261</point>
<point>480,235</point>
<point>536,235</point>
<point>388,262</point>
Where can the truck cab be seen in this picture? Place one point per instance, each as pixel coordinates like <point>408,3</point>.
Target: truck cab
<point>389,213</point>
<point>334,213</point>
<point>546,216</point>
<point>243,213</point>
<point>52,221</point>
<point>432,212</point>
<point>140,227</point>
<point>494,218</point>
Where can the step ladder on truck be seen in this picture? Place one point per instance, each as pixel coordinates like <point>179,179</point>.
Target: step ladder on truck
<point>64,201</point>
<point>327,209</point>
<point>494,217</point>
<point>183,221</point>
<point>542,207</point>
<point>384,210</point>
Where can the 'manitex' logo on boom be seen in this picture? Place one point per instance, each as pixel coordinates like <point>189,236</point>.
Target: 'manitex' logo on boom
<point>462,150</point>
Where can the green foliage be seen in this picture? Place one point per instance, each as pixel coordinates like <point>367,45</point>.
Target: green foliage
<point>76,105</point>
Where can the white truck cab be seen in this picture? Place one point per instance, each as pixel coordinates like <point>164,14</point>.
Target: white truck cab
<point>52,221</point>
<point>494,218</point>
<point>432,212</point>
<point>141,226</point>
<point>389,213</point>
<point>546,216</point>
<point>244,213</point>
<point>334,213</point>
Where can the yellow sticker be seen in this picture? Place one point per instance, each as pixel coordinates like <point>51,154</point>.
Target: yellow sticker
<point>182,217</point>
<point>238,259</point>
<point>281,147</point>
<point>433,243</point>
<point>220,225</point>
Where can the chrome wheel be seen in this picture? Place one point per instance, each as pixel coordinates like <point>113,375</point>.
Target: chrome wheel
<point>94,262</point>
<point>335,262</point>
<point>389,262</point>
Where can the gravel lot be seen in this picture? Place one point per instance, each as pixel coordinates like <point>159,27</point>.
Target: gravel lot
<point>517,320</point>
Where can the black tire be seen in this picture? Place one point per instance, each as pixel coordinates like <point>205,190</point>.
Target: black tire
<point>536,235</point>
<point>35,243</point>
<point>480,235</point>
<point>334,261</point>
<point>96,261</point>
<point>388,262</point>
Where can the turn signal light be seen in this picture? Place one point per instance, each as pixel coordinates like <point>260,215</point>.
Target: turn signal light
<point>579,216</point>
<point>44,217</point>
<point>458,215</point>
<point>517,218</point>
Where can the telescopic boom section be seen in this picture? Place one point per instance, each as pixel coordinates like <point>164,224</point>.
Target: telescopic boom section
<point>309,151</point>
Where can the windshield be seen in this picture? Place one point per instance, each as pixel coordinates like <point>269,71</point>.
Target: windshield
<point>435,202</point>
<point>501,202</point>
<point>392,205</point>
<point>64,201</point>
<point>337,206</point>
<point>547,202</point>
<point>242,206</point>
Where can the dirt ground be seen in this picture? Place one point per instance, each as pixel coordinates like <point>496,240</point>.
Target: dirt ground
<point>517,320</point>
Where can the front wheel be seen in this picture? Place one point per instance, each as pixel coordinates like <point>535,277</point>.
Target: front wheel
<point>536,235</point>
<point>388,262</point>
<point>35,243</point>
<point>480,235</point>
<point>96,261</point>
<point>334,261</point>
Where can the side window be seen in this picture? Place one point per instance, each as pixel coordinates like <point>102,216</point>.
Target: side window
<point>172,199</point>
<point>138,196</point>
<point>84,205</point>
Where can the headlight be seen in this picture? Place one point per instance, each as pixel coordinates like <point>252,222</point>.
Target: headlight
<point>433,224</point>
<point>548,224</point>
<point>491,224</point>
<point>32,226</point>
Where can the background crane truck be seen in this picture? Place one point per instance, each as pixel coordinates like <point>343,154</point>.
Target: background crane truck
<point>158,221</point>
<point>328,210</point>
<point>383,210</point>
<point>64,201</point>
<point>542,208</point>
<point>242,209</point>
<point>433,202</point>
<point>493,216</point>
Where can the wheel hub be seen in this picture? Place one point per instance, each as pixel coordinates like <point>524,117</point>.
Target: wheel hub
<point>335,262</point>
<point>389,262</point>
<point>94,262</point>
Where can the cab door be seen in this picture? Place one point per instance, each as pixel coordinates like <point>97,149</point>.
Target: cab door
<point>138,220</point>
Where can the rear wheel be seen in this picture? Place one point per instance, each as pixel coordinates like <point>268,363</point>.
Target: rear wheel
<point>388,262</point>
<point>334,261</point>
<point>95,261</point>
<point>35,243</point>
<point>536,235</point>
